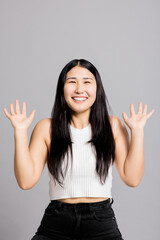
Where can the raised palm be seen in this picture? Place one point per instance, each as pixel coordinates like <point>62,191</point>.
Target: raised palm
<point>137,121</point>
<point>19,120</point>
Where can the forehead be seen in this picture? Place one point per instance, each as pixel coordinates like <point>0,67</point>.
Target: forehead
<point>79,72</point>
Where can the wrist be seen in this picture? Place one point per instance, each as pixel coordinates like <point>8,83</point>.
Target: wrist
<point>137,131</point>
<point>20,131</point>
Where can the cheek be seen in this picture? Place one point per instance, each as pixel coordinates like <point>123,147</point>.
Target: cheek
<point>67,91</point>
<point>92,91</point>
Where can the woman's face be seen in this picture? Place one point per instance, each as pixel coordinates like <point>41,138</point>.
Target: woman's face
<point>80,84</point>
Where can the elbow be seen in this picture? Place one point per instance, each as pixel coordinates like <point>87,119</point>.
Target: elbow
<point>132,184</point>
<point>25,187</point>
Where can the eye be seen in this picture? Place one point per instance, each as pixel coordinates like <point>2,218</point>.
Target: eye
<point>74,82</point>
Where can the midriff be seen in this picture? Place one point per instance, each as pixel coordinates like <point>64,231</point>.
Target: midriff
<point>81,200</point>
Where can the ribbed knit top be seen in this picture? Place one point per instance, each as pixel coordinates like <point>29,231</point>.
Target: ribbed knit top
<point>83,180</point>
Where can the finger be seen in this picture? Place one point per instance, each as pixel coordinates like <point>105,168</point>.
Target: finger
<point>24,108</point>
<point>150,114</point>
<point>17,107</point>
<point>132,109</point>
<point>139,107</point>
<point>145,109</point>
<point>125,117</point>
<point>12,109</point>
<point>31,116</point>
<point>6,112</point>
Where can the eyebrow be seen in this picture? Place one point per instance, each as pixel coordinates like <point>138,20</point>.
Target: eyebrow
<point>76,78</point>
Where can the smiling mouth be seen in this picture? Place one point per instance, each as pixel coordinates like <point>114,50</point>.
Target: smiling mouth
<point>79,100</point>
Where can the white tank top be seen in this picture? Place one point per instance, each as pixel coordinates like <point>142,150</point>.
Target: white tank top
<point>83,180</point>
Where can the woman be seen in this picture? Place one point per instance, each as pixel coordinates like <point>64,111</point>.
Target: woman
<point>82,139</point>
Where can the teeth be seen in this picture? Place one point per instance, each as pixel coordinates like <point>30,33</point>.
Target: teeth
<point>79,99</point>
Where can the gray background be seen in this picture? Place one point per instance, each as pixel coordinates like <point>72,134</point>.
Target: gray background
<point>121,38</point>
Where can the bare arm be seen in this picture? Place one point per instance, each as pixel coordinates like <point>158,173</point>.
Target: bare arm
<point>134,163</point>
<point>129,155</point>
<point>29,160</point>
<point>23,163</point>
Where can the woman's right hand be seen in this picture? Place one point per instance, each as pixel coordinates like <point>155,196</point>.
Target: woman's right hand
<point>19,120</point>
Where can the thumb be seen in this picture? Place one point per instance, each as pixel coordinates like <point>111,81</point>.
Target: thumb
<point>124,115</point>
<point>31,116</point>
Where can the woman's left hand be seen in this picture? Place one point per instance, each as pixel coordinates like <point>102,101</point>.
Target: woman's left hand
<point>137,121</point>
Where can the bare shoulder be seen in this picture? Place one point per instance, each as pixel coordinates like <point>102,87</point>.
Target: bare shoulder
<point>45,127</point>
<point>117,125</point>
<point>115,121</point>
<point>44,124</point>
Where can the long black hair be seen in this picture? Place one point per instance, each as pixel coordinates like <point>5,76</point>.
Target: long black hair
<point>102,136</point>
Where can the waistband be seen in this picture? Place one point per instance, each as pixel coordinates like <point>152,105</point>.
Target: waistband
<point>89,205</point>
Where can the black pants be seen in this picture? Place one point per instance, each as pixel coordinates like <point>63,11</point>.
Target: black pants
<point>73,221</point>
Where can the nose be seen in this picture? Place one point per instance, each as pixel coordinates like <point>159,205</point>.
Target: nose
<point>79,88</point>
